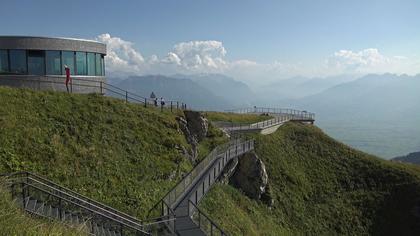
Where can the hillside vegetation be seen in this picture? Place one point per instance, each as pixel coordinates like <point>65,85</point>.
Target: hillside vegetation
<point>321,187</point>
<point>121,154</point>
<point>14,221</point>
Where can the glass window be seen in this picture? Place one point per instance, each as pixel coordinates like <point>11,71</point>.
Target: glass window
<point>4,62</point>
<point>18,61</point>
<point>53,62</point>
<point>103,65</point>
<point>81,67</point>
<point>91,63</point>
<point>36,62</point>
<point>67,58</point>
<point>98,64</point>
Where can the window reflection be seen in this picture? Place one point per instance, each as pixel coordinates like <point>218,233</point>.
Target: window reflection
<point>4,62</point>
<point>68,60</point>
<point>36,62</point>
<point>91,63</point>
<point>18,61</point>
<point>81,65</point>
<point>53,62</point>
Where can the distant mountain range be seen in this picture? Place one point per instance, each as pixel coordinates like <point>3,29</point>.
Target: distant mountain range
<point>299,87</point>
<point>376,113</point>
<point>236,92</point>
<point>203,91</point>
<point>413,158</point>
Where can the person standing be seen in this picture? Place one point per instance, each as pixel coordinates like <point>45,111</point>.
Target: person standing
<point>68,78</point>
<point>162,103</point>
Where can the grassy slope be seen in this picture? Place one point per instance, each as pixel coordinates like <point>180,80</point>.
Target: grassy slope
<point>235,118</point>
<point>321,187</point>
<point>120,154</point>
<point>15,222</point>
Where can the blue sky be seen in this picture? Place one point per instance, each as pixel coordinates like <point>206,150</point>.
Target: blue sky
<point>291,33</point>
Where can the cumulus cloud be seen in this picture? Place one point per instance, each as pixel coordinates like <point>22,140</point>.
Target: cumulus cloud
<point>121,55</point>
<point>123,58</point>
<point>199,55</point>
<point>368,60</point>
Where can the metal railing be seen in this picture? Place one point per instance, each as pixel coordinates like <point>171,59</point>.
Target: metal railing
<point>203,221</point>
<point>26,184</point>
<point>259,125</point>
<point>196,177</point>
<point>296,114</point>
<point>215,169</point>
<point>96,86</point>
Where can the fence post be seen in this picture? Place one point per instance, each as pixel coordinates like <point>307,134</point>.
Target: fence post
<point>126,96</point>
<point>171,106</point>
<point>145,102</point>
<point>100,84</point>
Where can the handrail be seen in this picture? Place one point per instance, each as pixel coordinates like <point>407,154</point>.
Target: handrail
<point>100,85</point>
<point>78,196</point>
<point>278,111</point>
<point>203,215</point>
<point>81,206</point>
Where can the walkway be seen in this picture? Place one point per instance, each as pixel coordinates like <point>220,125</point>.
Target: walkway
<point>185,196</point>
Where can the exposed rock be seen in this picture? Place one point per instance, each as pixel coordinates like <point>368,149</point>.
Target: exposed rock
<point>195,128</point>
<point>229,170</point>
<point>251,177</point>
<point>197,124</point>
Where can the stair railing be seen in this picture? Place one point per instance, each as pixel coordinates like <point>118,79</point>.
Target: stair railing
<point>29,187</point>
<point>70,196</point>
<point>203,221</point>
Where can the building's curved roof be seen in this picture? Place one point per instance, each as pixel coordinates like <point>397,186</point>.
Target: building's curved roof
<point>50,43</point>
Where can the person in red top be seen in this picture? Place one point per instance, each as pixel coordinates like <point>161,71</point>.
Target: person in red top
<point>68,78</point>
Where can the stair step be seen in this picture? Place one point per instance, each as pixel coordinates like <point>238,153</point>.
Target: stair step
<point>39,208</point>
<point>27,199</point>
<point>31,205</point>
<point>55,213</point>
<point>47,211</point>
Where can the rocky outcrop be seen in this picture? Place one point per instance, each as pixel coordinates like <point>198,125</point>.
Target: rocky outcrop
<point>197,124</point>
<point>195,128</point>
<point>251,177</point>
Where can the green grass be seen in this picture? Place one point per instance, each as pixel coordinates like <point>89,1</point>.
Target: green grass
<point>321,187</point>
<point>235,118</point>
<point>214,138</point>
<point>14,221</point>
<point>121,154</point>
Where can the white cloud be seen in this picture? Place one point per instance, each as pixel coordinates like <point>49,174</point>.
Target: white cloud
<point>200,55</point>
<point>368,60</point>
<point>210,57</point>
<point>121,55</point>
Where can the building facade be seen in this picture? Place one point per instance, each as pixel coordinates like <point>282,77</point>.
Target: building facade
<point>39,62</point>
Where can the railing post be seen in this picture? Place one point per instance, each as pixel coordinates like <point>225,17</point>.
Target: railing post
<point>60,209</point>
<point>196,196</point>
<point>199,219</point>
<point>23,195</point>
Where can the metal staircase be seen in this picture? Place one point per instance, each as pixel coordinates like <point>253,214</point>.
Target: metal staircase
<point>41,197</point>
